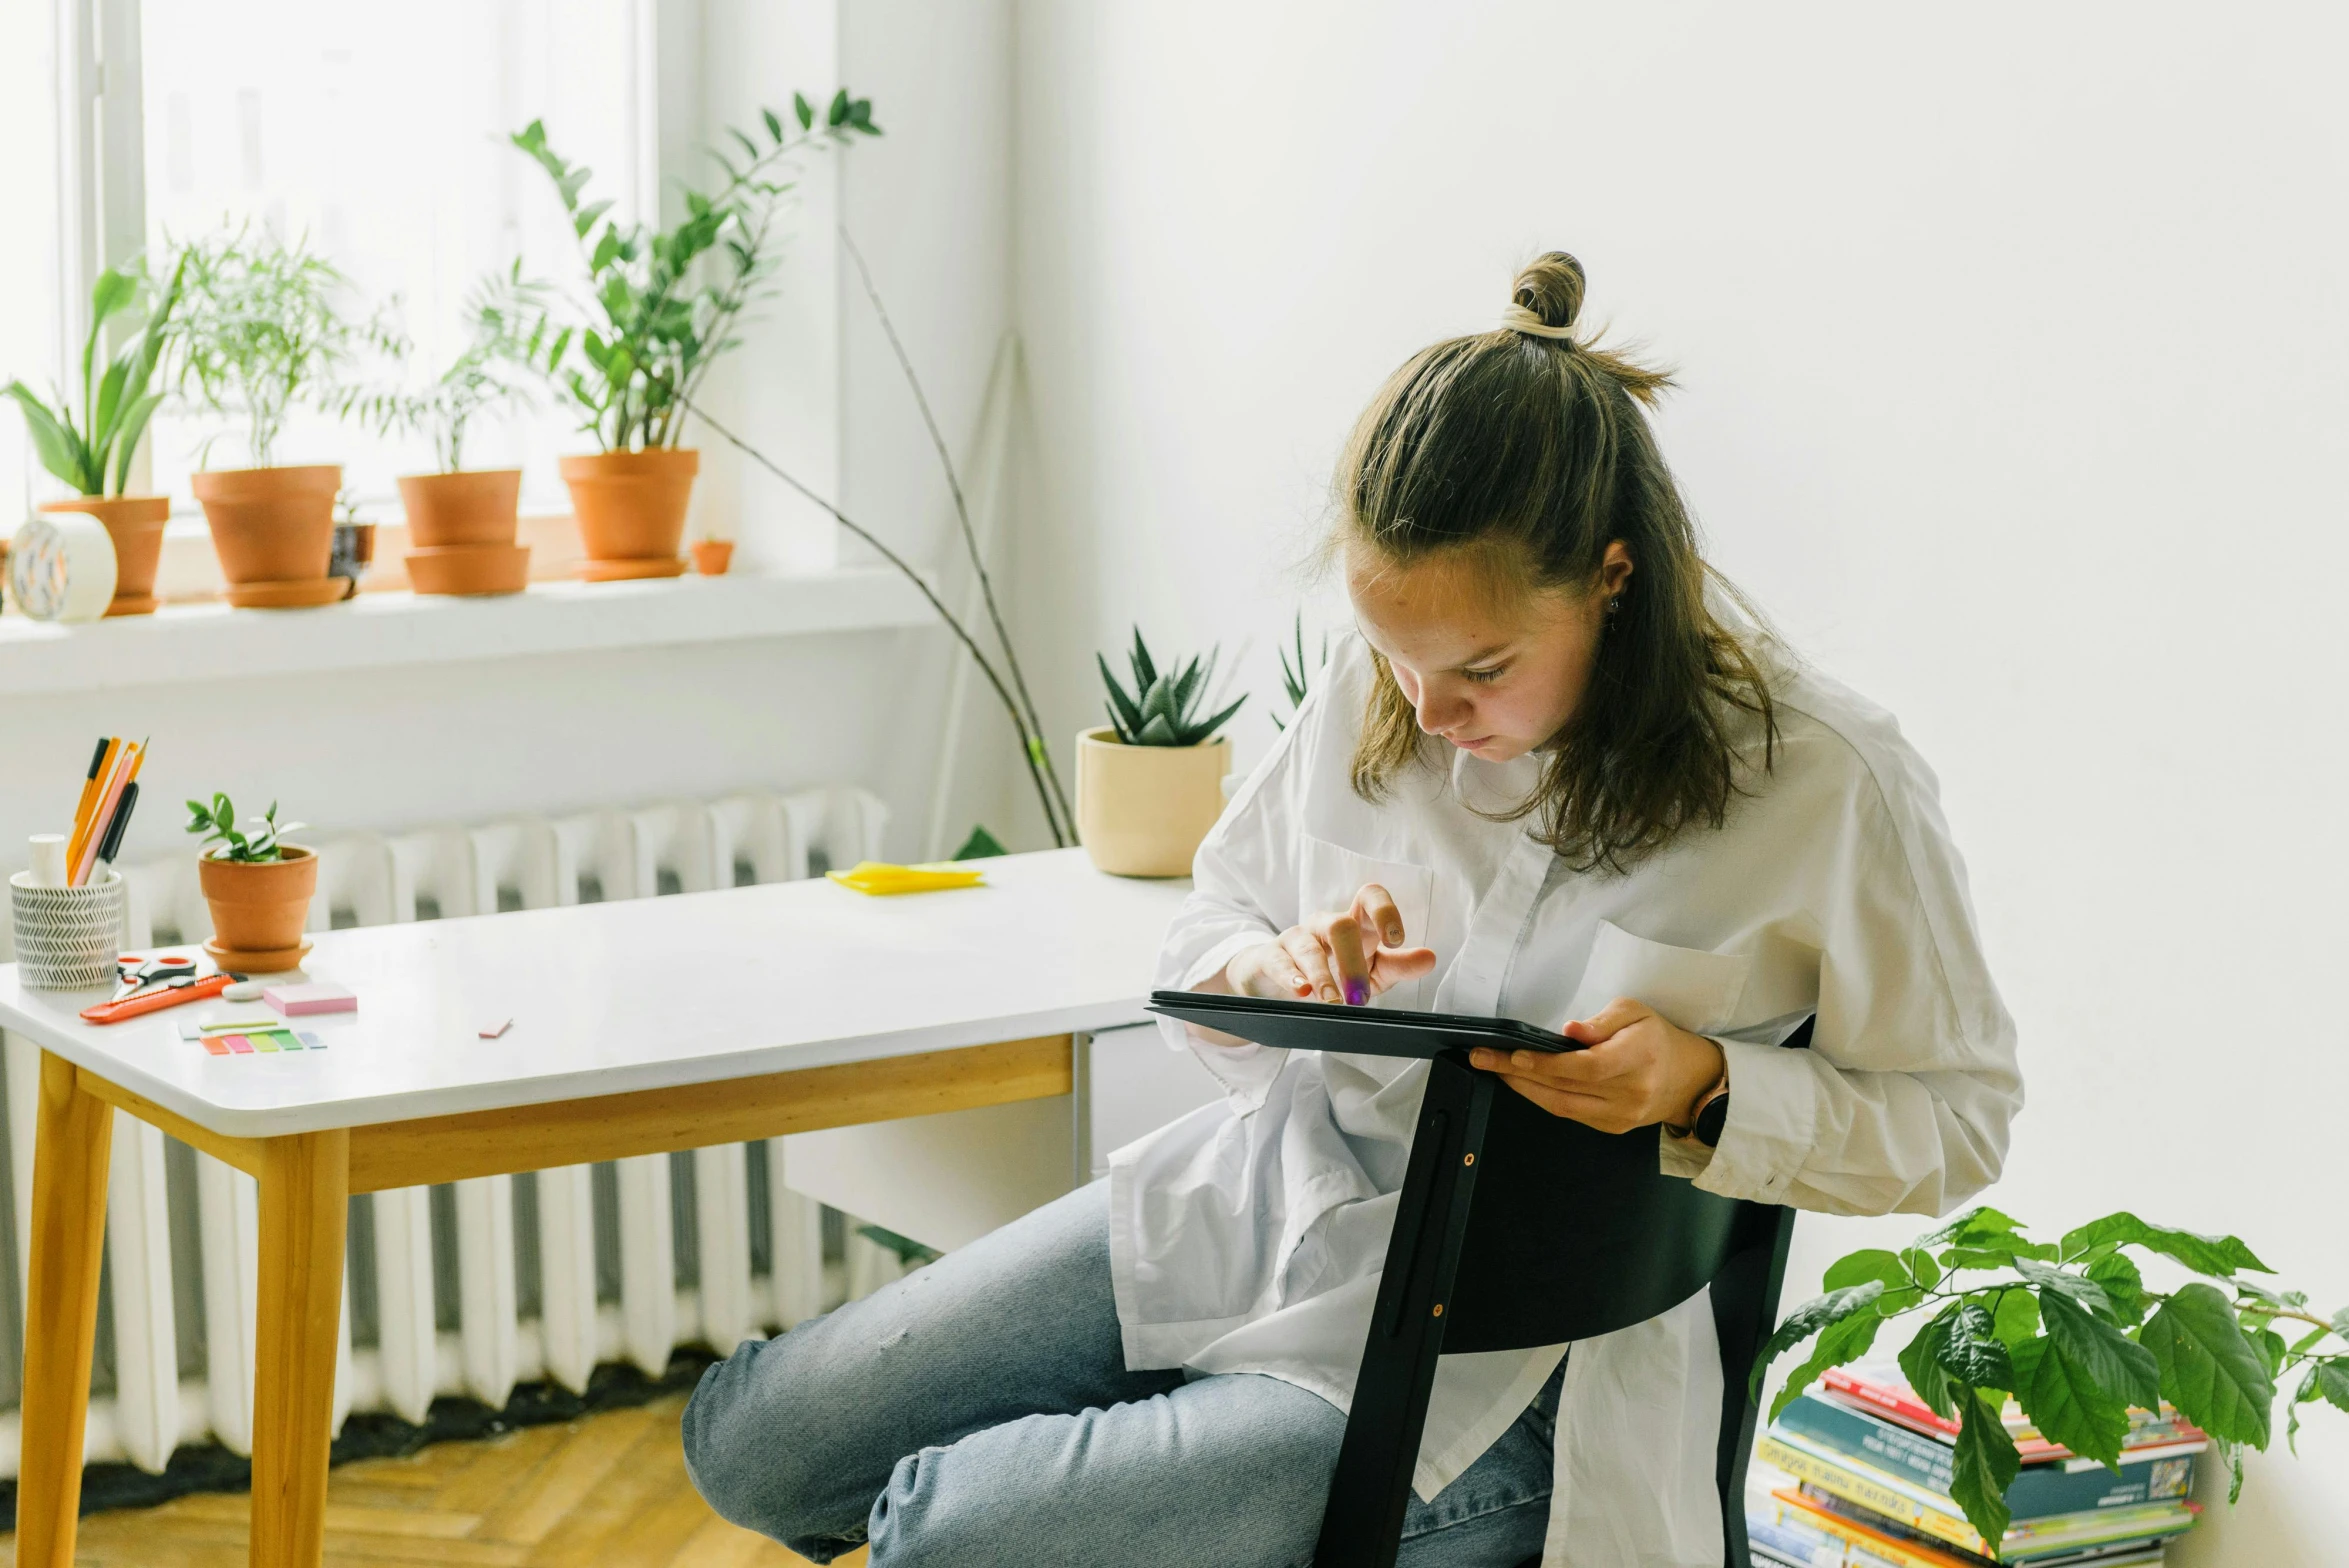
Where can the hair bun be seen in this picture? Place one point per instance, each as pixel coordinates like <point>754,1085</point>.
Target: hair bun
<point>1550,287</point>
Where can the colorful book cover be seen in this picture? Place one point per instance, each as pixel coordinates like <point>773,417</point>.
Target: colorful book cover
<point>2103,1552</point>
<point>2039,1491</point>
<point>1905,1502</point>
<point>1797,1529</point>
<point>1885,1392</point>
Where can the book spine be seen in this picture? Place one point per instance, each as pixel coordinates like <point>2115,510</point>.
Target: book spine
<point>1892,1501</point>
<point>1909,1455</point>
<point>2042,1491</point>
<point>2038,1492</point>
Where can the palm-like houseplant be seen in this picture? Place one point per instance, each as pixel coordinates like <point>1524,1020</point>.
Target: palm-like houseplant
<point>91,447</point>
<point>663,306</point>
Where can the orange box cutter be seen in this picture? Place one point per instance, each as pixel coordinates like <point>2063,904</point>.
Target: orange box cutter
<point>171,994</point>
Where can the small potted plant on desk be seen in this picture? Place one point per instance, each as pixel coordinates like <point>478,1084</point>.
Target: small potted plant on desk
<point>462,522</point>
<point>1150,787</point>
<point>260,329</point>
<point>257,886</point>
<point>667,305</point>
<point>92,451</point>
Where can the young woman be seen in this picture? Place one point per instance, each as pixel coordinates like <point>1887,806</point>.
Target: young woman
<point>1556,777</point>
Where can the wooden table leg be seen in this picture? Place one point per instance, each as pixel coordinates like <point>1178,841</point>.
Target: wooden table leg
<point>305,1195</point>
<point>70,1154</point>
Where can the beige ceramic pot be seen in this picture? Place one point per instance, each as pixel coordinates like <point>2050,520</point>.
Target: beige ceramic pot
<point>631,505</point>
<point>135,524</point>
<point>475,507</point>
<point>271,525</point>
<point>1142,810</point>
<point>259,907</point>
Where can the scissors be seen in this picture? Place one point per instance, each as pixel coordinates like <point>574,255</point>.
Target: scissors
<point>142,974</point>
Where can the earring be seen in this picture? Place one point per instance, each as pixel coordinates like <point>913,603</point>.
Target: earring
<point>1614,603</point>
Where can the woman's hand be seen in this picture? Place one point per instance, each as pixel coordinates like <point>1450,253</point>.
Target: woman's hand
<point>1348,955</point>
<point>1638,1069</point>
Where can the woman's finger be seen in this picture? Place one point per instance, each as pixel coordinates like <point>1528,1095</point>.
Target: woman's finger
<point>1270,971</point>
<point>1375,908</point>
<point>1342,934</point>
<point>1608,1021</point>
<point>1312,961</point>
<point>1591,1110</point>
<point>1390,967</point>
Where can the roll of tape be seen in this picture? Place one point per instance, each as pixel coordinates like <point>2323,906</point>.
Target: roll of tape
<point>61,567</point>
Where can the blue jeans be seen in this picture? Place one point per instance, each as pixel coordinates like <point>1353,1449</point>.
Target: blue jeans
<point>979,1412</point>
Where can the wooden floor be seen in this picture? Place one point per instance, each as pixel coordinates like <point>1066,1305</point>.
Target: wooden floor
<point>607,1491</point>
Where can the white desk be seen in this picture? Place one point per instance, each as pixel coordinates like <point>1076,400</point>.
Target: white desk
<point>641,1027</point>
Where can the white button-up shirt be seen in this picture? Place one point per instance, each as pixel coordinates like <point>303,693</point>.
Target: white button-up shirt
<point>1249,1235</point>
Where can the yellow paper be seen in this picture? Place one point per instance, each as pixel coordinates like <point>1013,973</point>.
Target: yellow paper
<point>880,879</point>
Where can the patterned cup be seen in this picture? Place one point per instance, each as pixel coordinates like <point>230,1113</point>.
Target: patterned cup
<point>67,938</point>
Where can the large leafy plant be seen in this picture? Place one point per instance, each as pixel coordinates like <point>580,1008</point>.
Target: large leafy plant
<point>664,303</point>
<point>91,448</point>
<point>217,822</point>
<point>2072,1331</point>
<point>510,341</point>
<point>1163,707</point>
<point>261,326</point>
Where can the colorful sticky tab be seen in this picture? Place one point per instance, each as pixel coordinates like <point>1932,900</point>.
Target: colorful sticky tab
<point>284,1039</point>
<point>216,1045</point>
<point>311,1040</point>
<point>262,1040</point>
<point>241,1045</point>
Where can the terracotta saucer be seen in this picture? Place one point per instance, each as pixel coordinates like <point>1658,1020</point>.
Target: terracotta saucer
<point>133,604</point>
<point>623,571</point>
<point>271,961</point>
<point>299,595</point>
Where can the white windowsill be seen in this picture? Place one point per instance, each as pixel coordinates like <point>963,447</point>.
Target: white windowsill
<point>209,642</point>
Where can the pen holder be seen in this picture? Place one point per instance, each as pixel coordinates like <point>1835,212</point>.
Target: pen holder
<point>67,938</point>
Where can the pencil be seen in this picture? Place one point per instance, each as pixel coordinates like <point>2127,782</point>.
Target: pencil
<point>81,807</point>
<point>108,798</point>
<point>92,796</point>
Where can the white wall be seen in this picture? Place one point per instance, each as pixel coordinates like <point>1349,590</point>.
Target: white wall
<point>2012,342</point>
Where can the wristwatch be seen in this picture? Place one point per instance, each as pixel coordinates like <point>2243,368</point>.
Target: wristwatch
<point>1711,1116</point>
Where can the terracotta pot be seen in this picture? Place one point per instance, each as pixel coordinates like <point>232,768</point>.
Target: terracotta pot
<point>470,568</point>
<point>474,507</point>
<point>711,557</point>
<point>631,505</point>
<point>260,907</point>
<point>271,525</point>
<point>135,524</point>
<point>1142,810</point>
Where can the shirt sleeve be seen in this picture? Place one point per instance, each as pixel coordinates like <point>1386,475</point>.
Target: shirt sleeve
<point>1244,891</point>
<point>1903,1101</point>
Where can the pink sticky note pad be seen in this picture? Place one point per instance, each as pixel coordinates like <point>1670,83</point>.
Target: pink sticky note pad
<point>315,997</point>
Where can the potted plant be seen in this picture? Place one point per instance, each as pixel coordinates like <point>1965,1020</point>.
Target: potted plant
<point>462,522</point>
<point>664,306</point>
<point>92,449</point>
<point>260,328</point>
<point>2071,1331</point>
<point>1150,786</point>
<point>257,886</point>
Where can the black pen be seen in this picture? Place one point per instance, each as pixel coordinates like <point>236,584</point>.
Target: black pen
<point>112,842</point>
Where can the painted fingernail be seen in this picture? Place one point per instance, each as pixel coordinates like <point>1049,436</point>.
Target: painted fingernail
<point>1394,936</point>
<point>1357,993</point>
<point>1329,993</point>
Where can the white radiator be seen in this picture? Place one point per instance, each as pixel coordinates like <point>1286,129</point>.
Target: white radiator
<point>182,1233</point>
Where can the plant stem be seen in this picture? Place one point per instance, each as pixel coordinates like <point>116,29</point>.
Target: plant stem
<point>962,513</point>
<point>1011,709</point>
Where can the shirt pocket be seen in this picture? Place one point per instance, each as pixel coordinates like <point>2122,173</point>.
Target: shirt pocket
<point>1328,877</point>
<point>1695,989</point>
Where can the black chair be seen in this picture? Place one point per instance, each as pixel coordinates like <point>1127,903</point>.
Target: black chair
<point>1518,1228</point>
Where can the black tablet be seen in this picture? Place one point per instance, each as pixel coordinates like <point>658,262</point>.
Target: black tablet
<point>1360,1031</point>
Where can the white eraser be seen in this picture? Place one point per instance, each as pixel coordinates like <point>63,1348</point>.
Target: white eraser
<point>48,865</point>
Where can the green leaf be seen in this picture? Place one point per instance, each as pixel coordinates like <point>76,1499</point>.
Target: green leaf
<point>2216,1255</point>
<point>1206,731</point>
<point>1813,1315</point>
<point>134,425</point>
<point>2209,1370</point>
<point>1971,1351</point>
<point>2016,1317</point>
<point>981,845</point>
<point>1869,1263</point>
<point>2120,1365</point>
<point>59,450</point>
<point>750,149</point>
<point>2067,1403</point>
<point>1122,713</point>
<point>2124,1288</point>
<point>1920,1361</point>
<point>585,218</point>
<point>838,111</point>
<point>1983,1467</point>
<point>1921,1266</point>
<point>774,123</point>
<point>1973,1226</point>
<point>111,293</point>
<point>2332,1381</point>
<point>2084,1292</point>
<point>804,110</point>
<point>1839,1343</point>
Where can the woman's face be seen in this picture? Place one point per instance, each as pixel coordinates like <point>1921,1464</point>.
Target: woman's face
<point>1494,669</point>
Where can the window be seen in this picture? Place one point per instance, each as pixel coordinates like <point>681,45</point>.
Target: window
<point>378,133</point>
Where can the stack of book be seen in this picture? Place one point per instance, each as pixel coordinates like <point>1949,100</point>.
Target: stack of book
<point>1859,1473</point>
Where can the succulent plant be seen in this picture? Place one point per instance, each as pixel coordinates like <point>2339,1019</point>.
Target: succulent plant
<point>1161,710</point>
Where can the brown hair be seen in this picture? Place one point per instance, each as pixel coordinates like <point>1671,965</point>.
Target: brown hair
<point>1532,449</point>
